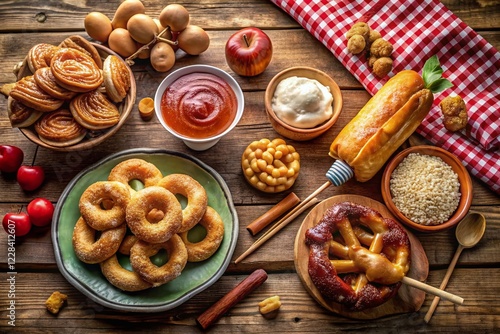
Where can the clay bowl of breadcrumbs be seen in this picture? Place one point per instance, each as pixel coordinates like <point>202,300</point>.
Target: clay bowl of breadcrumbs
<point>427,188</point>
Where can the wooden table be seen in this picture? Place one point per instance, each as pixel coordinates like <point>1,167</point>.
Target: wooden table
<point>25,23</point>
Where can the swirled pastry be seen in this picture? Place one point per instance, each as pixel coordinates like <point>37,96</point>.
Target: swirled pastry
<point>40,56</point>
<point>81,44</point>
<point>75,71</point>
<point>94,111</point>
<point>21,116</point>
<point>116,78</point>
<point>47,82</point>
<point>30,94</point>
<point>60,129</point>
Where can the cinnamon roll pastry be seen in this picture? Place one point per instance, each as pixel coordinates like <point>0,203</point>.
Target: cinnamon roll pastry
<point>75,70</point>
<point>116,78</point>
<point>94,111</point>
<point>40,56</point>
<point>81,44</point>
<point>59,128</point>
<point>30,94</point>
<point>21,116</point>
<point>46,81</point>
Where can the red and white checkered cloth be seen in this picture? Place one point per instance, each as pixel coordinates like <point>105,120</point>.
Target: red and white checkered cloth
<point>419,30</point>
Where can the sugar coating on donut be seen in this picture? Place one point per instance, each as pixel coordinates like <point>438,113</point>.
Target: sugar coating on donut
<point>103,204</point>
<point>135,169</point>
<point>194,192</point>
<point>90,250</point>
<point>204,249</point>
<point>144,201</point>
<point>122,278</point>
<point>140,260</point>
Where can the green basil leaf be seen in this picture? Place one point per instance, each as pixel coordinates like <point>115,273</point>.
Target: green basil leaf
<point>440,85</point>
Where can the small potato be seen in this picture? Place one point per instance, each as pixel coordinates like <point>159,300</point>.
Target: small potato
<point>193,40</point>
<point>142,28</point>
<point>162,57</point>
<point>121,42</point>
<point>174,16</point>
<point>98,26</point>
<point>125,11</point>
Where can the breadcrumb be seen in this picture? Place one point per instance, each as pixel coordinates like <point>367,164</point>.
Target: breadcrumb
<point>55,302</point>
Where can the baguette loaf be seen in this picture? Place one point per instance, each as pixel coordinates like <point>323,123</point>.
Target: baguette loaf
<point>383,124</point>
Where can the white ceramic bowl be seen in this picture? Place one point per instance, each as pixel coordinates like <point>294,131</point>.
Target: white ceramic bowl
<point>199,144</point>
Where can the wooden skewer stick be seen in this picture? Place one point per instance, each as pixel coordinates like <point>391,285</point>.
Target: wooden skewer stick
<point>277,227</point>
<point>432,290</point>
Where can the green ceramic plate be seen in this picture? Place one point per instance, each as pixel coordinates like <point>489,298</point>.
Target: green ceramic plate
<point>194,278</point>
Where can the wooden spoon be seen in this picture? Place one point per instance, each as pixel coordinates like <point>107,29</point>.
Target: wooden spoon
<point>468,233</point>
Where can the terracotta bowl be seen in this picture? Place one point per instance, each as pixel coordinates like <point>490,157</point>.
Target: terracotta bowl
<point>292,132</point>
<point>125,107</point>
<point>456,165</point>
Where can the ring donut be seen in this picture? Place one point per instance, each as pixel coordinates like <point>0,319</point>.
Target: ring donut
<point>135,169</point>
<point>140,260</point>
<point>122,278</point>
<point>202,250</point>
<point>103,204</point>
<point>194,192</point>
<point>357,258</point>
<point>126,244</point>
<point>90,250</point>
<point>146,200</point>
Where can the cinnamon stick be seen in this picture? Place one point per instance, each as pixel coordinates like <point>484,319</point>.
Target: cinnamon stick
<point>249,284</point>
<point>283,206</point>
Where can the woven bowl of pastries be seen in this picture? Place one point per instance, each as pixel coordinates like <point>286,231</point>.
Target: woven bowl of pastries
<point>71,96</point>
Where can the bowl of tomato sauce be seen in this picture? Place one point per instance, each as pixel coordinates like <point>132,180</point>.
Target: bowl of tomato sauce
<point>199,104</point>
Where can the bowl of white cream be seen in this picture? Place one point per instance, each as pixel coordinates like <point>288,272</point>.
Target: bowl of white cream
<point>302,103</point>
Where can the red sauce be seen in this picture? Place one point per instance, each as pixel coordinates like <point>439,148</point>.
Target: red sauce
<point>199,105</point>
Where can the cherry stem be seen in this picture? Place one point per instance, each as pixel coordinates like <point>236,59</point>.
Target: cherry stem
<point>245,38</point>
<point>158,37</point>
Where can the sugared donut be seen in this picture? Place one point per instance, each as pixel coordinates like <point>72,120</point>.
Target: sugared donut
<point>202,250</point>
<point>142,203</point>
<point>90,250</point>
<point>177,258</point>
<point>122,278</point>
<point>126,244</point>
<point>357,258</point>
<point>103,204</point>
<point>194,192</point>
<point>135,169</point>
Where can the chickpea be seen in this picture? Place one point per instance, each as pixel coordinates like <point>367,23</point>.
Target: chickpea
<point>270,166</point>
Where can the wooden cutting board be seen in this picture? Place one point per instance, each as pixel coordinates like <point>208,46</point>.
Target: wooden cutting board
<point>408,299</point>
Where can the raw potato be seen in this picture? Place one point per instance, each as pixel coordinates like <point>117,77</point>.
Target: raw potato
<point>162,57</point>
<point>125,11</point>
<point>193,40</point>
<point>174,16</point>
<point>142,28</point>
<point>98,26</point>
<point>121,42</point>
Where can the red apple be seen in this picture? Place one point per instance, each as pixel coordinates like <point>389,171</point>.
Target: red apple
<point>17,224</point>
<point>249,51</point>
<point>11,158</point>
<point>40,211</point>
<point>30,177</point>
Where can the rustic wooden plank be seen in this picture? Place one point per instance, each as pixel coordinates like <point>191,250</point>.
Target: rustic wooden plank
<point>299,313</point>
<point>68,15</point>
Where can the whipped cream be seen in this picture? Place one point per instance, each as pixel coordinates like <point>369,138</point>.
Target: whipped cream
<point>301,102</point>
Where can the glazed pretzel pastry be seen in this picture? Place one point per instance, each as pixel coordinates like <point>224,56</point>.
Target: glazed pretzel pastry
<point>357,258</point>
